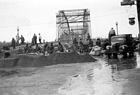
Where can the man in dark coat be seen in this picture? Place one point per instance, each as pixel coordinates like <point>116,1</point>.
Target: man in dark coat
<point>60,47</point>
<point>98,42</point>
<point>22,39</point>
<point>111,33</point>
<point>35,39</point>
<point>13,44</point>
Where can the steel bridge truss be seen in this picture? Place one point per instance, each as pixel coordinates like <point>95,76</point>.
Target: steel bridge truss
<point>73,24</point>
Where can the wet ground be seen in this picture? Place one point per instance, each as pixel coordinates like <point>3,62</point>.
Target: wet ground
<point>106,79</point>
<point>94,78</point>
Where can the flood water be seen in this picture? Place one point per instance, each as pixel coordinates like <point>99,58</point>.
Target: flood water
<point>103,79</point>
<point>97,81</point>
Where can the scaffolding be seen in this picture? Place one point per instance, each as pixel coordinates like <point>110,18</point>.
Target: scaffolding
<point>73,24</point>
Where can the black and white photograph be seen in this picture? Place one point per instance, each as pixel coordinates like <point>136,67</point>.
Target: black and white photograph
<point>69,47</point>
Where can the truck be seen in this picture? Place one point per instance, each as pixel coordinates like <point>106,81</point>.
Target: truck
<point>123,44</point>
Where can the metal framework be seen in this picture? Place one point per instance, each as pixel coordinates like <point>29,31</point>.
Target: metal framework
<point>73,24</point>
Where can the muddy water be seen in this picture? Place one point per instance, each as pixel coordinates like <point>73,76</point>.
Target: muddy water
<point>94,80</point>
<point>107,78</point>
<point>97,78</point>
<point>37,81</point>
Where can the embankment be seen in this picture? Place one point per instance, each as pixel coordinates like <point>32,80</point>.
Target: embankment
<point>53,59</point>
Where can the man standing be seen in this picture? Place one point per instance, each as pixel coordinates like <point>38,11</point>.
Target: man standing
<point>35,39</point>
<point>22,39</point>
<point>98,42</point>
<point>13,44</point>
<point>111,33</point>
<point>40,38</point>
<point>60,47</point>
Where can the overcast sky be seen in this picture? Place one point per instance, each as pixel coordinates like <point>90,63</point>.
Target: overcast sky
<point>39,16</point>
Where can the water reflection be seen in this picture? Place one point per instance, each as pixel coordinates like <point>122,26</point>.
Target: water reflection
<point>138,60</point>
<point>102,80</point>
<point>97,81</point>
<point>123,64</point>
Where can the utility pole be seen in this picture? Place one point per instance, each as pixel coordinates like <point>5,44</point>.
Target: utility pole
<point>138,12</point>
<point>17,36</point>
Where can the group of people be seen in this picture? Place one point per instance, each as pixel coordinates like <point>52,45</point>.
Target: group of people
<point>83,46</point>
<point>47,48</point>
<point>16,42</point>
<point>34,39</point>
<point>21,40</point>
<point>51,48</point>
<point>106,42</point>
<point>80,45</point>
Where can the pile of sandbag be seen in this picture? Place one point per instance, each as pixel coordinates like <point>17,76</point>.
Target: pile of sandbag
<point>53,59</point>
